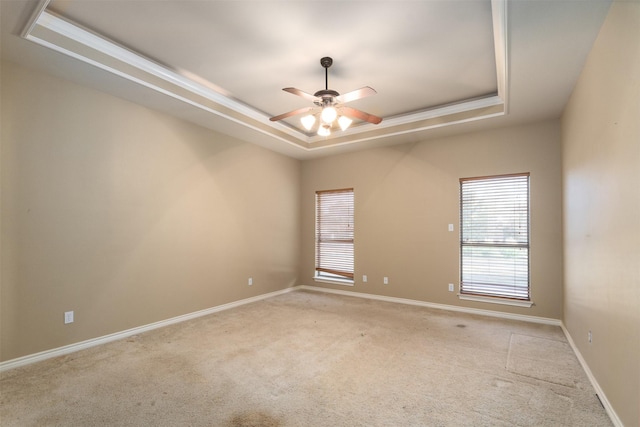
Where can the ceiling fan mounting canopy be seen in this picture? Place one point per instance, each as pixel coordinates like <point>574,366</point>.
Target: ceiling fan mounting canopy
<point>326,62</point>
<point>330,99</point>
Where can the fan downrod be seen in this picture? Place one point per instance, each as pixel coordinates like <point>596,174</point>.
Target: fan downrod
<point>327,94</point>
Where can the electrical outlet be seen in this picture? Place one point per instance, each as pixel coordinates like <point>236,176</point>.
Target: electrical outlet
<point>250,281</point>
<point>68,317</point>
<point>385,280</point>
<point>364,278</point>
<point>450,227</point>
<point>451,287</point>
<point>590,337</point>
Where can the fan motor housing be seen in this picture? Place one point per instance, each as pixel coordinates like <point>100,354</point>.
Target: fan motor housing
<point>326,93</point>
<point>327,97</point>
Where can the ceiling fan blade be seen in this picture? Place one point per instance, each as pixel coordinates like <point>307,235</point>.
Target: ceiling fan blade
<point>357,114</point>
<point>356,94</point>
<point>291,113</point>
<point>301,93</point>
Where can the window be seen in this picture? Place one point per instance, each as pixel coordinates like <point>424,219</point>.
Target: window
<point>334,235</point>
<point>494,236</point>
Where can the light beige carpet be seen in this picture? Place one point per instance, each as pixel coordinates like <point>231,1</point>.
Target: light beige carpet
<point>314,359</point>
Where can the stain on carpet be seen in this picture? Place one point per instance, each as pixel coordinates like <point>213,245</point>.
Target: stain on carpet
<point>501,383</point>
<point>253,419</point>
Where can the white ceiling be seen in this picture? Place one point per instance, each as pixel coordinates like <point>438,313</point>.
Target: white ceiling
<point>439,67</point>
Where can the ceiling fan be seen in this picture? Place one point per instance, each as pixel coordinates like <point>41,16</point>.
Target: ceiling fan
<point>331,106</point>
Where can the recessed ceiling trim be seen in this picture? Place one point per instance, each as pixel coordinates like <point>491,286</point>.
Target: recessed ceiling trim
<point>433,123</point>
<point>500,43</point>
<point>394,122</point>
<point>33,20</point>
<point>87,38</point>
<point>64,36</point>
<point>48,21</point>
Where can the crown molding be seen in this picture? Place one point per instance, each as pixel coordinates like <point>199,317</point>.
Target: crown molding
<point>64,36</point>
<point>500,43</point>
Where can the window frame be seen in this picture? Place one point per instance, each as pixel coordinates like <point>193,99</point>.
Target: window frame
<point>499,291</point>
<point>332,267</point>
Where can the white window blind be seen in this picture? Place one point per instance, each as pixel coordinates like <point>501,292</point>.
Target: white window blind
<point>494,236</point>
<point>334,233</point>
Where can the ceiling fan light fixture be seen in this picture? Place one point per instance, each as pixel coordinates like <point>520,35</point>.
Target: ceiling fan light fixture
<point>308,121</point>
<point>344,122</point>
<point>330,102</point>
<point>324,130</point>
<point>329,114</point>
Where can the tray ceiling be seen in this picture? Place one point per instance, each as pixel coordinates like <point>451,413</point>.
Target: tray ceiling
<point>223,64</point>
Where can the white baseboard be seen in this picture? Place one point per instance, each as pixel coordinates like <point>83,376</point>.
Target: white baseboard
<point>512,316</point>
<point>603,398</point>
<point>535,319</point>
<point>60,351</point>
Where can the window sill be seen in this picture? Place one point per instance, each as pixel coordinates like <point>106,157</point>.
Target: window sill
<point>492,300</point>
<point>344,282</point>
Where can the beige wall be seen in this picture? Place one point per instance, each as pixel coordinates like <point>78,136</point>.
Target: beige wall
<point>406,195</point>
<point>128,216</point>
<point>601,173</point>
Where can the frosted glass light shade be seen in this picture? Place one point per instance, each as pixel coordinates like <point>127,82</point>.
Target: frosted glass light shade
<point>308,121</point>
<point>329,114</point>
<point>344,122</point>
<point>324,130</point>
